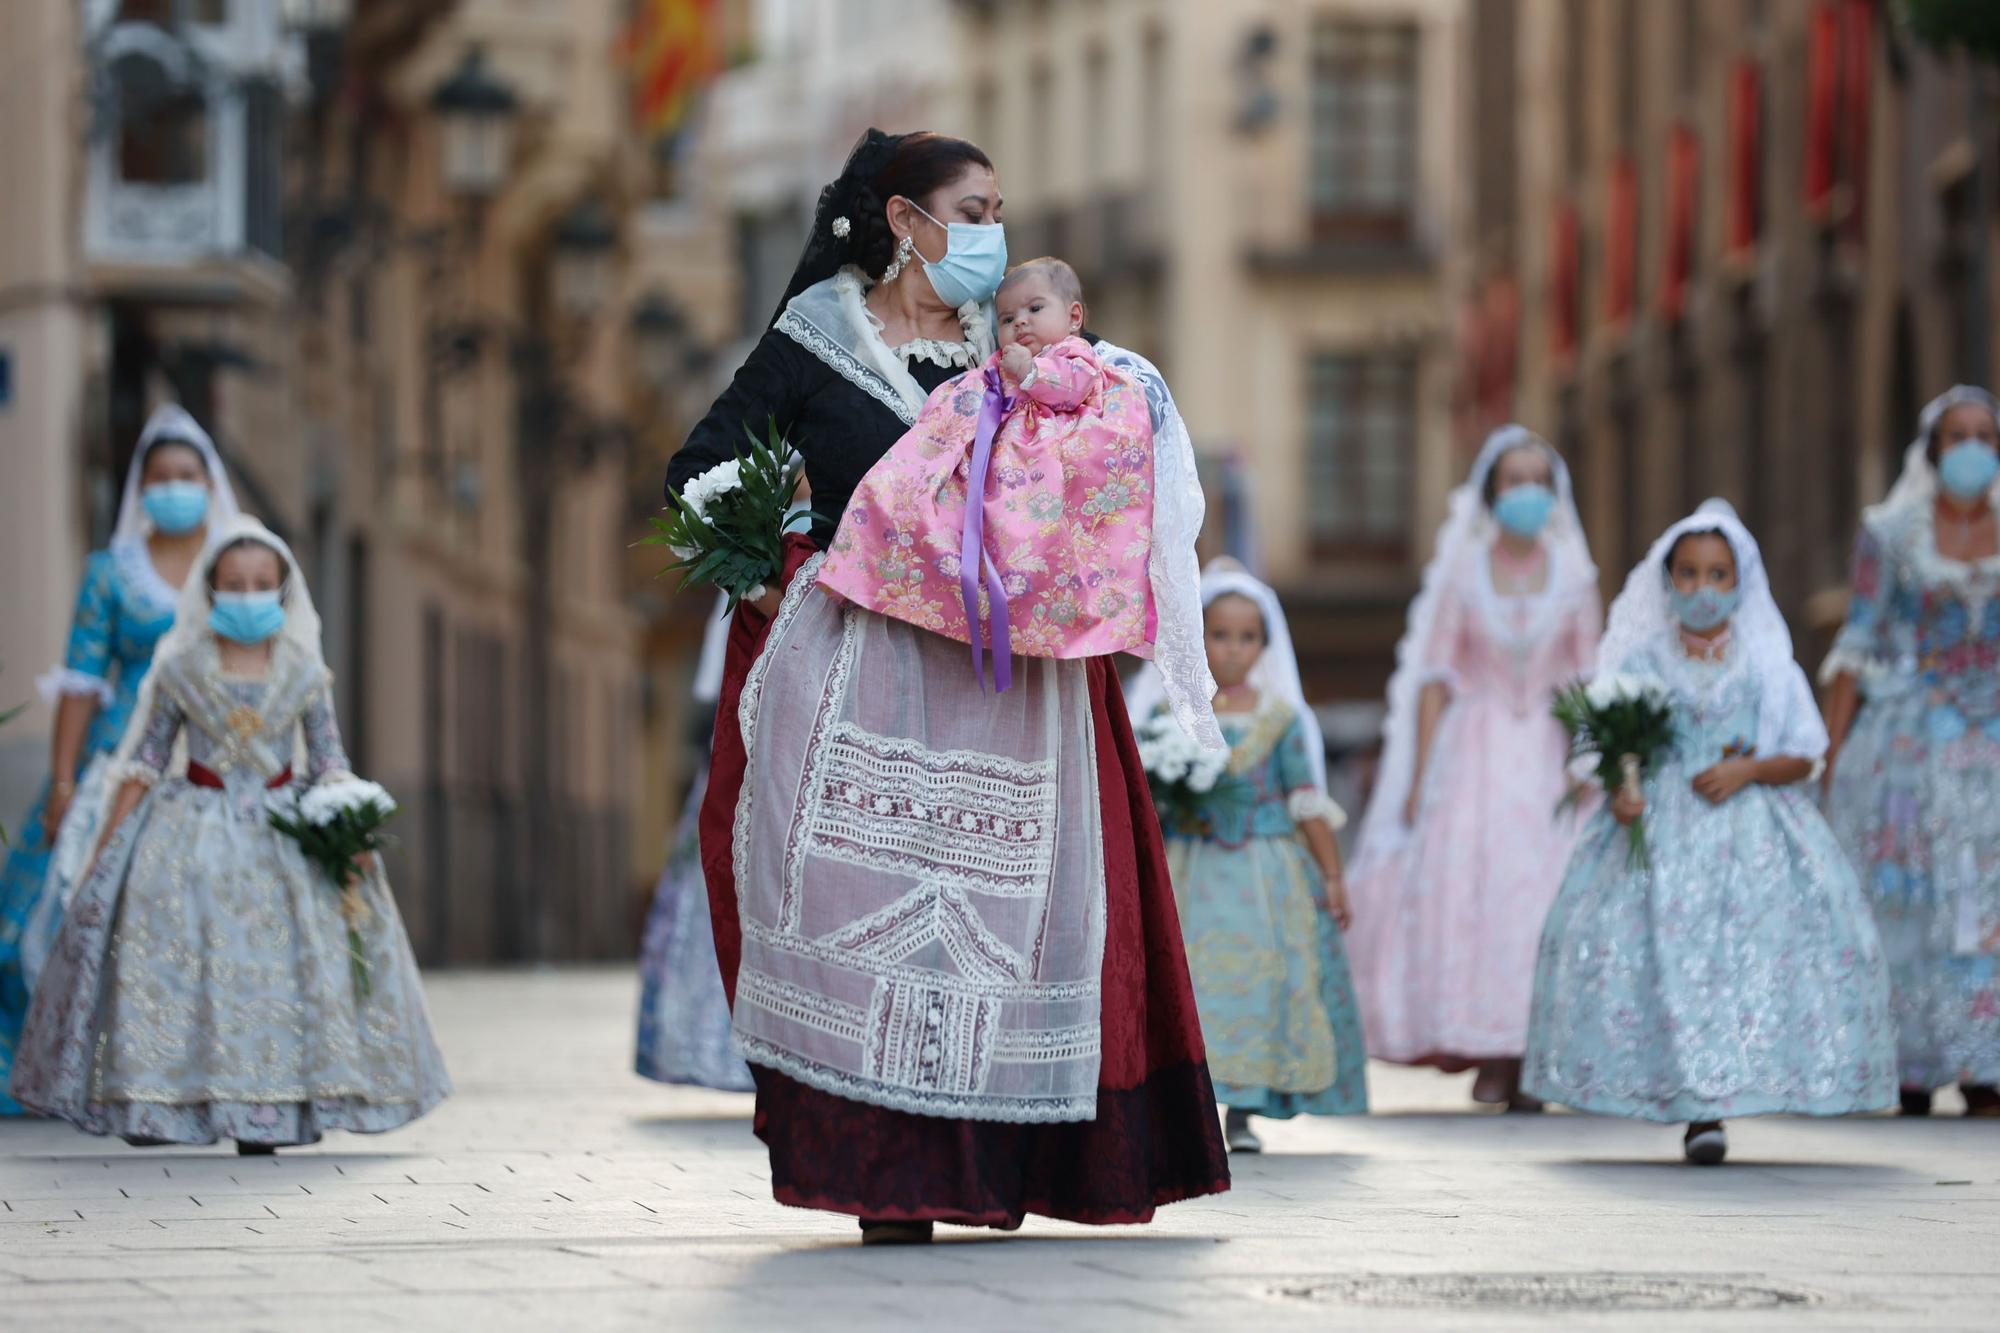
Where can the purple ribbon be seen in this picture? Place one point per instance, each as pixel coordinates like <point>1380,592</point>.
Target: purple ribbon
<point>972,557</point>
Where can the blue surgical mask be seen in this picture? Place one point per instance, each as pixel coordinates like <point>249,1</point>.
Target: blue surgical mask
<point>1524,510</point>
<point>1704,608</point>
<point>975,259</point>
<point>1968,468</point>
<point>247,617</point>
<point>175,506</point>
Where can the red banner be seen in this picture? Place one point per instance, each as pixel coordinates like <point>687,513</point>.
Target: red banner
<point>1683,200</point>
<point>1746,156</point>
<point>1621,239</point>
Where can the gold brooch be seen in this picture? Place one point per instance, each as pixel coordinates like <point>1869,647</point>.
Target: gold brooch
<point>243,723</point>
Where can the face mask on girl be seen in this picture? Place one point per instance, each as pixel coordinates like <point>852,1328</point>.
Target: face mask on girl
<point>175,506</point>
<point>1524,510</point>
<point>1704,608</point>
<point>247,617</point>
<point>975,259</point>
<point>1968,468</point>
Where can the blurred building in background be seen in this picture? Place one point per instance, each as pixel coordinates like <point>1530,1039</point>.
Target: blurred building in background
<point>1260,197</point>
<point>1722,247</point>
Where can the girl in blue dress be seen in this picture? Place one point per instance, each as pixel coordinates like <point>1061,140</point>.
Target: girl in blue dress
<point>174,490</point>
<point>1739,972</point>
<point>1260,888</point>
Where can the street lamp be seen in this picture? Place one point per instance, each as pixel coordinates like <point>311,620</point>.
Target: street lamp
<point>476,115</point>
<point>583,243</point>
<point>322,25</point>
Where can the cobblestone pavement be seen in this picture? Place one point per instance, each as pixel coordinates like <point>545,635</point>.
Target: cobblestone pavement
<point>558,1191</point>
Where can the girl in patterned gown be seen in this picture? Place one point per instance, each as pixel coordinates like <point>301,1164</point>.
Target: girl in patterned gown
<point>174,489</point>
<point>1259,884</point>
<point>1914,784</point>
<point>1738,971</point>
<point>201,986</point>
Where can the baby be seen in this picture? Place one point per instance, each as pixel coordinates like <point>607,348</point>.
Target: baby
<point>1053,562</point>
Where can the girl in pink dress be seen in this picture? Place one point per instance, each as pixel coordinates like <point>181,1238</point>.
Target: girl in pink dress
<point>1462,851</point>
<point>1054,563</point>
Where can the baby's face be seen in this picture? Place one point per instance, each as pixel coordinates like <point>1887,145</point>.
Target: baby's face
<point>1034,316</point>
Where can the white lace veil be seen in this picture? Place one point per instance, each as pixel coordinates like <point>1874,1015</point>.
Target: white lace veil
<point>1788,720</point>
<point>1469,529</point>
<point>171,421</point>
<point>1917,484</point>
<point>1180,650</point>
<point>1276,673</point>
<point>301,628</point>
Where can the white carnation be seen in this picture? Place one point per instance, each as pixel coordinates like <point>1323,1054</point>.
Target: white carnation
<point>322,804</point>
<point>719,480</point>
<point>1615,687</point>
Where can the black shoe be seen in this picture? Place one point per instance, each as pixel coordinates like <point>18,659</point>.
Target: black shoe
<point>1705,1144</point>
<point>255,1149</point>
<point>1982,1100</point>
<point>1915,1101</point>
<point>875,1232</point>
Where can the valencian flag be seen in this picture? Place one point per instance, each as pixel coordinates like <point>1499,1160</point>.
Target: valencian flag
<point>671,48</point>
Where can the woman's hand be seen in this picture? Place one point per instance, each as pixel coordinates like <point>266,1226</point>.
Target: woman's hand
<point>365,865</point>
<point>1626,808</point>
<point>1716,785</point>
<point>61,793</point>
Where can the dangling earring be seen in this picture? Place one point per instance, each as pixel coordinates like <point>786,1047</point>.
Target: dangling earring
<point>904,248</point>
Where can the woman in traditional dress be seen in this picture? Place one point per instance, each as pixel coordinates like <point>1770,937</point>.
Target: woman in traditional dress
<point>683,1014</point>
<point>209,981</point>
<point>1913,706</point>
<point>1461,850</point>
<point>923,1051</point>
<point>175,490</point>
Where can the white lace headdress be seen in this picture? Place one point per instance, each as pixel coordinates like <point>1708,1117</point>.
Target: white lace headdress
<point>1788,720</point>
<point>1917,484</point>
<point>301,627</point>
<point>1469,529</point>
<point>171,421</point>
<point>128,536</point>
<point>1276,674</point>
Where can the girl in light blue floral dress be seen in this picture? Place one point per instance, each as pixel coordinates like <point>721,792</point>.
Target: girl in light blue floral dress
<point>1913,703</point>
<point>202,986</point>
<point>175,489</point>
<point>1739,972</point>
<point>1259,882</point>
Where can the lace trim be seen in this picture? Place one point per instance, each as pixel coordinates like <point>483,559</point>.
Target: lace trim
<point>1312,803</point>
<point>1173,567</point>
<point>60,682</point>
<point>803,585</point>
<point>996,988</point>
<point>131,770</point>
<point>986,1106</point>
<point>950,355</point>
<point>845,364</point>
<point>135,567</point>
<point>1909,538</point>
<point>1268,726</point>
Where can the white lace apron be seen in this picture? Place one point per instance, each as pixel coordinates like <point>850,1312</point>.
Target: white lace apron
<point>919,871</point>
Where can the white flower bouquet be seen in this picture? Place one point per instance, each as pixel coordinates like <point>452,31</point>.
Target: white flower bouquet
<point>727,527</point>
<point>1188,782</point>
<point>334,824</point>
<point>1620,725</point>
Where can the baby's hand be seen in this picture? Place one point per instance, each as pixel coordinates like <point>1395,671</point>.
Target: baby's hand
<point>1016,361</point>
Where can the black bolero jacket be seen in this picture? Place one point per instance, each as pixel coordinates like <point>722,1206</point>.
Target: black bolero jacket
<point>837,427</point>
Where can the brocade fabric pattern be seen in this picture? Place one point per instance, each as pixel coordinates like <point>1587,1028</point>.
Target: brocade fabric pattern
<point>1915,795</point>
<point>1068,513</point>
<point>1740,972</point>
<point>201,986</point>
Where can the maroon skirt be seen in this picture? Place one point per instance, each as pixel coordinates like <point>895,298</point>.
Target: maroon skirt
<point>1155,1139</point>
